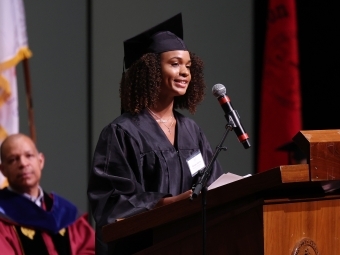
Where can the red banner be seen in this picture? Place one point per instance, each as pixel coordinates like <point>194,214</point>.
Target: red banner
<point>280,114</point>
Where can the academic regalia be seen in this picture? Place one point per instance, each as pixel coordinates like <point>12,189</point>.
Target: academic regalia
<point>135,165</point>
<point>55,228</point>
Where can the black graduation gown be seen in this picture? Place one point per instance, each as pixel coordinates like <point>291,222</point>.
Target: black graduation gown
<point>135,165</point>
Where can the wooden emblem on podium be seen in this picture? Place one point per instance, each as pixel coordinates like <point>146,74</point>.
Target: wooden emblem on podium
<point>306,247</point>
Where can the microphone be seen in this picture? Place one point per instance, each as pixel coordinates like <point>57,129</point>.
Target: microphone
<point>231,115</point>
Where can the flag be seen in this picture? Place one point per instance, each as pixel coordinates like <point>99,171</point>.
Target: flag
<point>280,110</point>
<point>13,49</point>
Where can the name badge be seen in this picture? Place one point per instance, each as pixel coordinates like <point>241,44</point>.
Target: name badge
<point>195,163</point>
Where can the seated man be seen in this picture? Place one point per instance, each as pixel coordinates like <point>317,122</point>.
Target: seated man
<point>32,221</point>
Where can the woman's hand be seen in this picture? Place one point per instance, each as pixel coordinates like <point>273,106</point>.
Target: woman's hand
<point>169,200</point>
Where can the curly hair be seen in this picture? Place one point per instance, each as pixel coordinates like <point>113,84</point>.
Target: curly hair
<point>141,84</point>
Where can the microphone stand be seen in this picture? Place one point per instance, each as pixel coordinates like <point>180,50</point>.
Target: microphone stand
<point>200,185</point>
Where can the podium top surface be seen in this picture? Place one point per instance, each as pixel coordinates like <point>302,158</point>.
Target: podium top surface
<point>278,178</point>
<point>312,136</point>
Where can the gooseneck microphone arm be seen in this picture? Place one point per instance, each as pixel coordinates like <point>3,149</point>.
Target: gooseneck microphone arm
<point>200,186</point>
<point>234,123</point>
<point>205,173</point>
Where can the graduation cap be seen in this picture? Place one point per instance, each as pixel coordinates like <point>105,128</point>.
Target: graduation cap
<point>166,36</point>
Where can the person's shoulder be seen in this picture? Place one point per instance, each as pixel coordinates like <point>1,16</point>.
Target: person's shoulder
<point>64,202</point>
<point>60,202</point>
<point>121,120</point>
<point>126,122</point>
<point>124,118</point>
<point>5,193</point>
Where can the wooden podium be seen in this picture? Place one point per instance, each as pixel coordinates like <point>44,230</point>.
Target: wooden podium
<point>287,210</point>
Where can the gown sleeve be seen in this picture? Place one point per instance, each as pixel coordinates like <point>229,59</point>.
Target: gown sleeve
<point>115,188</point>
<point>9,243</point>
<point>82,237</point>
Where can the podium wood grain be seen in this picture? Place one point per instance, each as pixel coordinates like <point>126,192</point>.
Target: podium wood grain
<point>267,213</point>
<point>286,224</point>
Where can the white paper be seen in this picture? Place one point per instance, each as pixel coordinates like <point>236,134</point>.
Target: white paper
<point>225,179</point>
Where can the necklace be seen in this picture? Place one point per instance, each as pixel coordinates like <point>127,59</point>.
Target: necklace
<point>168,127</point>
<point>160,120</point>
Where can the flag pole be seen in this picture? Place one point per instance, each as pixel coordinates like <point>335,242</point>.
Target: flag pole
<point>29,101</point>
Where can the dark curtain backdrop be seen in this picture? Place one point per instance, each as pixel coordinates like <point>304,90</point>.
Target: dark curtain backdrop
<point>320,63</point>
<point>319,41</point>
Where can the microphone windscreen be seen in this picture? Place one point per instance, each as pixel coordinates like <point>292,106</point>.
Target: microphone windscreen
<point>219,90</point>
